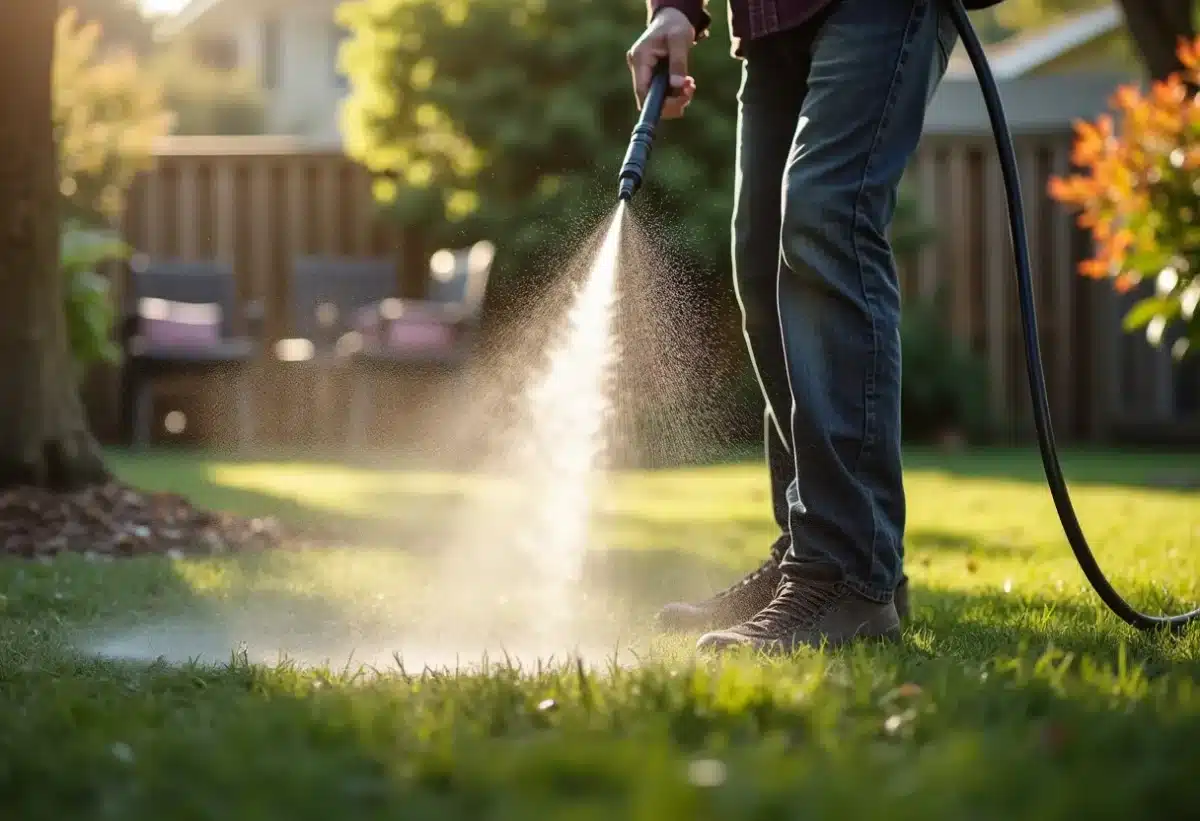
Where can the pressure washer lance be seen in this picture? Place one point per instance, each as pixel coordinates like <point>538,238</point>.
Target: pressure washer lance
<point>642,141</point>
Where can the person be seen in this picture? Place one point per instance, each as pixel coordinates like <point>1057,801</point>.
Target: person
<point>831,107</point>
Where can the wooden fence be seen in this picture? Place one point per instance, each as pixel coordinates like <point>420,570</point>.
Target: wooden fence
<point>1103,384</point>
<point>256,202</point>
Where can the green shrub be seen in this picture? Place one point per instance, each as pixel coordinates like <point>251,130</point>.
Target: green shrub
<point>87,300</point>
<point>943,386</point>
<point>107,117</point>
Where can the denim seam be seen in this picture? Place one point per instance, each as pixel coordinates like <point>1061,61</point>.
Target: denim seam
<point>868,433</point>
<point>749,204</point>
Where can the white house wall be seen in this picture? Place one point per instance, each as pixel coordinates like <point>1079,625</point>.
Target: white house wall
<point>306,98</point>
<point>306,101</point>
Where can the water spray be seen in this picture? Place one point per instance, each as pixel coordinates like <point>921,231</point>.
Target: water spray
<point>633,171</point>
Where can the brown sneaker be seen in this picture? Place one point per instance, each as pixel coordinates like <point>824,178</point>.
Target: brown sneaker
<point>807,613</point>
<point>733,605</point>
<point>740,602</point>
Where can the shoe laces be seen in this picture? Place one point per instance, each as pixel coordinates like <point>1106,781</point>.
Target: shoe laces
<point>797,604</point>
<point>750,578</point>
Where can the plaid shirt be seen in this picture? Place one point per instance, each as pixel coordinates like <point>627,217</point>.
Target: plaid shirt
<point>748,19</point>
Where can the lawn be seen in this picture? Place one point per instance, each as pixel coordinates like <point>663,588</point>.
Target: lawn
<point>1013,695</point>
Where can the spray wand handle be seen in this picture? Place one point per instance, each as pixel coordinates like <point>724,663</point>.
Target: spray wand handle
<point>633,170</point>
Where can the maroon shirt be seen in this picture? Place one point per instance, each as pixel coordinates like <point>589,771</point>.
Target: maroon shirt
<point>748,19</point>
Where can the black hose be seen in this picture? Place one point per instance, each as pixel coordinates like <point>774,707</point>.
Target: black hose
<point>1033,357</point>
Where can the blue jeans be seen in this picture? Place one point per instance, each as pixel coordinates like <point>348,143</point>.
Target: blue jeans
<point>829,115</point>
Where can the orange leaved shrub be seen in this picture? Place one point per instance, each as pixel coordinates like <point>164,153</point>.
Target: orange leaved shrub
<point>1138,193</point>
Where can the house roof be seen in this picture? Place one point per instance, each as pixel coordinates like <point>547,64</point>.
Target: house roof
<point>191,11</point>
<point>1021,55</point>
<point>1010,59</point>
<point>1045,104</point>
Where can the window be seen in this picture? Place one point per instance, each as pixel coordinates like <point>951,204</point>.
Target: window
<point>337,36</point>
<point>272,53</point>
<point>216,52</point>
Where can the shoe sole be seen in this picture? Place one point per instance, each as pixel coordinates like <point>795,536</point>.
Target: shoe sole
<point>886,638</point>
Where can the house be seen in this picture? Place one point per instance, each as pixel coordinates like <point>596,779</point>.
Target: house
<point>291,46</point>
<point>1090,42</point>
<point>1048,77</point>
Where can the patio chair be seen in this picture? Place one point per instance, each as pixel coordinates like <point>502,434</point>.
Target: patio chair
<point>438,329</point>
<point>437,332</point>
<point>328,297</point>
<point>184,319</point>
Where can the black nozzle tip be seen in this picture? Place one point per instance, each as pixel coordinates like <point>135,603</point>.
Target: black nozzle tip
<point>627,190</point>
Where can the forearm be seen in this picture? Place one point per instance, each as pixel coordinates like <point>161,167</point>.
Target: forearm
<point>696,12</point>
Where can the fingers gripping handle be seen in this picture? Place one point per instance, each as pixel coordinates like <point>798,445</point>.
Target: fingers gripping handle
<point>633,170</point>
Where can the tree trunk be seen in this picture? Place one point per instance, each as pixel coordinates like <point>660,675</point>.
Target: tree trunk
<point>1157,26</point>
<point>44,436</point>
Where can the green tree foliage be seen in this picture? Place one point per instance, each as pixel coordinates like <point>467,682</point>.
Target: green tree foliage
<point>107,116</point>
<point>510,118</point>
<point>122,23</point>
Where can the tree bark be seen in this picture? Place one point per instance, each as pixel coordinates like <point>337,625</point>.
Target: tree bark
<point>1157,26</point>
<point>44,435</point>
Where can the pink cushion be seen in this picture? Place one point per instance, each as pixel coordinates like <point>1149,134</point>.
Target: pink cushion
<point>179,324</point>
<point>367,323</point>
<point>419,334</point>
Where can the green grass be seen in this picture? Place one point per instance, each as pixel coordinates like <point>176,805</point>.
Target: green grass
<point>1014,694</point>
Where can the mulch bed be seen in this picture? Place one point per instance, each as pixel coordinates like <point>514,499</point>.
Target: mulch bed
<point>116,520</point>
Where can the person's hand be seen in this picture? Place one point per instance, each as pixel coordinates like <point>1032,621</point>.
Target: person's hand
<point>669,35</point>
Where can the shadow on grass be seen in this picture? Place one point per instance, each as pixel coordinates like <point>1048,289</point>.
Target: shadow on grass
<point>977,626</point>
<point>949,541</point>
<point>1170,471</point>
<point>396,518</point>
<point>647,562</point>
<point>1130,467</point>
